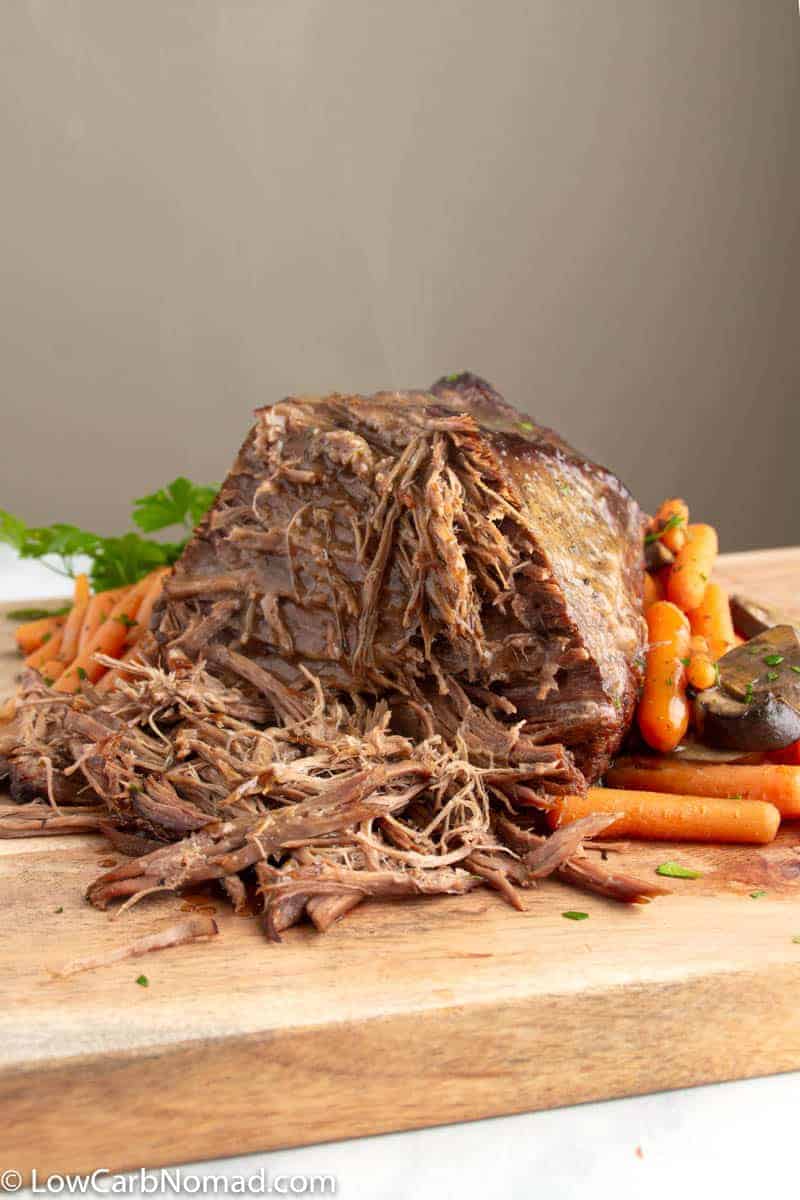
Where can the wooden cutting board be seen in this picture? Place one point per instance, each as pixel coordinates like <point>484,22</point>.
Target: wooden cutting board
<point>402,1016</point>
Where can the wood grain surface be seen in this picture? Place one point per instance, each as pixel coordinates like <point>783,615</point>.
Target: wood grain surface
<point>402,1016</point>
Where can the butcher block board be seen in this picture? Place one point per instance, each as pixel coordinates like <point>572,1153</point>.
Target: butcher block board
<point>402,1016</point>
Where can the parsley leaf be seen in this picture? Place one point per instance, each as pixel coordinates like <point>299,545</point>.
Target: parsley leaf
<point>674,870</point>
<point>757,895</point>
<point>179,503</point>
<point>575,916</point>
<point>114,561</point>
<point>121,560</point>
<point>143,981</point>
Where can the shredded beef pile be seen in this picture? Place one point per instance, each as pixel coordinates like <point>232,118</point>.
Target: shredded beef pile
<point>409,621</point>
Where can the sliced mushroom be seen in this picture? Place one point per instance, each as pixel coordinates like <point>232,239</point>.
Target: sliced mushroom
<point>769,664</point>
<point>691,750</point>
<point>766,723</point>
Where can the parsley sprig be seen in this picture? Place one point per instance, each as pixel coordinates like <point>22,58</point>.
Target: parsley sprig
<point>114,561</point>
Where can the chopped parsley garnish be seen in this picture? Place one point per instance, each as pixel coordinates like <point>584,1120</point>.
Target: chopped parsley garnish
<point>674,870</point>
<point>125,620</point>
<point>81,673</point>
<point>143,981</point>
<point>686,661</point>
<point>572,915</point>
<point>48,681</point>
<point>757,895</point>
<point>748,693</point>
<point>526,426</point>
<point>657,534</point>
<point>46,638</point>
<point>773,660</point>
<point>795,669</point>
<point>772,676</point>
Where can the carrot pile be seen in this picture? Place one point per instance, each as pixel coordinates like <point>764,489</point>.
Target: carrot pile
<point>63,648</point>
<point>660,796</point>
<point>689,624</point>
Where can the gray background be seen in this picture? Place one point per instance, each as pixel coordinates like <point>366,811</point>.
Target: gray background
<point>206,205</point>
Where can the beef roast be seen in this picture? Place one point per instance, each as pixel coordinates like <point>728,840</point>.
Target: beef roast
<point>436,549</point>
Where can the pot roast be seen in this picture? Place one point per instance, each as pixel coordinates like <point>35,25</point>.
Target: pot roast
<point>433,548</point>
<point>408,621</point>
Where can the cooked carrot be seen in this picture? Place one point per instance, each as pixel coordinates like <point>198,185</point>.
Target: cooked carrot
<point>652,590</point>
<point>72,630</point>
<point>51,644</point>
<point>51,670</point>
<point>712,620</point>
<point>155,583</point>
<point>692,568</point>
<point>97,611</point>
<point>31,635</point>
<point>663,712</point>
<point>779,785</point>
<point>108,638</point>
<point>672,517</point>
<point>659,817</point>
<point>701,671</point>
<point>81,591</point>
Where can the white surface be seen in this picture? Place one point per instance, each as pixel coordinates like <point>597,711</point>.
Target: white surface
<point>734,1139</point>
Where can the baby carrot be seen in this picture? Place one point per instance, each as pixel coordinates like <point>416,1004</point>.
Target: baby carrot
<point>701,671</point>
<point>81,591</point>
<point>712,620</point>
<point>663,712</point>
<point>49,648</point>
<point>659,817</point>
<point>672,519</point>
<point>109,639</point>
<point>155,581</point>
<point>652,590</point>
<point>51,670</point>
<point>692,568</point>
<point>32,634</point>
<point>777,784</point>
<point>97,611</point>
